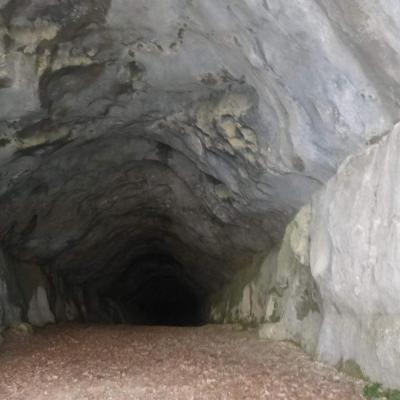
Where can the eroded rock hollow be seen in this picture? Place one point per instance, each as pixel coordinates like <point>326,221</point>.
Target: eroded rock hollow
<point>153,155</point>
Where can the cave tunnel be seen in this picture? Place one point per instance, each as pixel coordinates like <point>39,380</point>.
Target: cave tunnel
<point>139,236</point>
<point>178,163</point>
<point>154,289</point>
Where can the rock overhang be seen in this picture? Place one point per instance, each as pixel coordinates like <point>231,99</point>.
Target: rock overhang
<point>191,130</point>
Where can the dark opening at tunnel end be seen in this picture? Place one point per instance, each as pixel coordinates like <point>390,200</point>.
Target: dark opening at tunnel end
<point>152,289</point>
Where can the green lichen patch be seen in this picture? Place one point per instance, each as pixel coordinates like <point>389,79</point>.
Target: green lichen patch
<point>376,391</point>
<point>352,368</point>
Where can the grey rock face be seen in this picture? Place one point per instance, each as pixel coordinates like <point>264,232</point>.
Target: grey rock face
<point>281,296</point>
<point>338,262</point>
<point>24,294</point>
<point>10,297</point>
<point>204,125</point>
<point>39,313</point>
<point>294,310</point>
<point>354,260</point>
<point>176,139</point>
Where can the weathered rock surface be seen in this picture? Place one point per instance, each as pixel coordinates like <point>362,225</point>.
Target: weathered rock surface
<point>24,294</point>
<point>163,147</point>
<point>203,125</point>
<point>10,297</point>
<point>281,295</point>
<point>333,285</point>
<point>355,261</point>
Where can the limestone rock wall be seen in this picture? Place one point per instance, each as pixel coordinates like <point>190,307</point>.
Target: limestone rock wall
<point>11,303</point>
<point>27,294</point>
<point>196,129</point>
<point>355,256</point>
<point>280,294</point>
<point>333,284</point>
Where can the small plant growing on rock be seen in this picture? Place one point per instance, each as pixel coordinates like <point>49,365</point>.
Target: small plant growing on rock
<point>376,391</point>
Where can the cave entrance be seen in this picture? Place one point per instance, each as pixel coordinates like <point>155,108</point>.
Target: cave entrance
<point>163,300</point>
<point>154,289</point>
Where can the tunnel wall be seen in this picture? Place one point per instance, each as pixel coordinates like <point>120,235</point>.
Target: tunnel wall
<point>30,294</point>
<point>25,293</point>
<point>355,255</point>
<point>332,285</point>
<point>146,294</point>
<point>280,295</point>
<point>10,297</point>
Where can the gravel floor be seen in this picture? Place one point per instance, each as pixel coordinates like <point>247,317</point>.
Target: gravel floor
<point>119,362</point>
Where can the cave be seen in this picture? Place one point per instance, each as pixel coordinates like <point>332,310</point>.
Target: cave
<point>154,290</point>
<point>184,164</point>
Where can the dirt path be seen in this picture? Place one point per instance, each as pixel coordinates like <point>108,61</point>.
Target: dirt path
<point>79,362</point>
